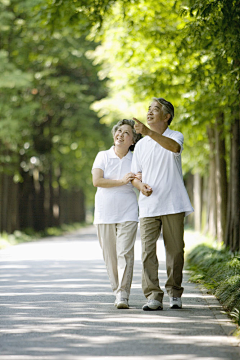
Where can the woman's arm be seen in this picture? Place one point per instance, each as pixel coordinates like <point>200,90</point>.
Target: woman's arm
<point>100,181</point>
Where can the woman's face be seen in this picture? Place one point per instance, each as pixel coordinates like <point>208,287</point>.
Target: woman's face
<point>124,136</point>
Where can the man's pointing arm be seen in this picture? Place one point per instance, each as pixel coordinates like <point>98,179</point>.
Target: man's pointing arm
<point>164,141</point>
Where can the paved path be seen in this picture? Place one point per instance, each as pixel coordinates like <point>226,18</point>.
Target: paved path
<point>56,304</point>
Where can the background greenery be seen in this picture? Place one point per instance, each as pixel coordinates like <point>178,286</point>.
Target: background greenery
<point>70,69</point>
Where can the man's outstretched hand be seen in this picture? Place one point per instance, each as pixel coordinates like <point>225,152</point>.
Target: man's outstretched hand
<point>140,127</point>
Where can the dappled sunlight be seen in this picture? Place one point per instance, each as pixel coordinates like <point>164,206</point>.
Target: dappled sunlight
<point>63,309</point>
<point>80,246</point>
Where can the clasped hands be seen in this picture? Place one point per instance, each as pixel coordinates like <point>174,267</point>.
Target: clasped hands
<point>144,188</point>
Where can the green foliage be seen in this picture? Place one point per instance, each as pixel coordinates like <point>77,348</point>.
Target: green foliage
<point>219,271</point>
<point>61,60</point>
<point>186,51</point>
<point>47,87</point>
<point>81,15</point>
<point>236,315</point>
<point>214,37</point>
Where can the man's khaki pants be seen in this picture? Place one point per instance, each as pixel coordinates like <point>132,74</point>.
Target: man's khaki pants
<point>173,228</point>
<point>117,243</point>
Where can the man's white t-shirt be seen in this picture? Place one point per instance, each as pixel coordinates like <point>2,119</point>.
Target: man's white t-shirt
<point>116,204</point>
<point>162,170</point>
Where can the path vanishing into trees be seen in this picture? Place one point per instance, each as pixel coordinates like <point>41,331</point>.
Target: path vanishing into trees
<point>56,303</point>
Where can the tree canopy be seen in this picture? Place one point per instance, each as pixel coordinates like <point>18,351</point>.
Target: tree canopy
<point>71,68</point>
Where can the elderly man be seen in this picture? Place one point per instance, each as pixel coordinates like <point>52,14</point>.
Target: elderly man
<point>163,202</point>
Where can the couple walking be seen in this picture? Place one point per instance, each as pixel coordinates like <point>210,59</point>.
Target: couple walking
<point>155,170</point>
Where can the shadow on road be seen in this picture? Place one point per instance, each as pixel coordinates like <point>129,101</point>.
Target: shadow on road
<point>64,310</point>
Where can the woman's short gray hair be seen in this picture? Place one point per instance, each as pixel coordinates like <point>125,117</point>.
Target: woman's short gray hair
<point>131,123</point>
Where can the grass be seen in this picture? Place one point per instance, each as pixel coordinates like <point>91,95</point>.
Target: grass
<point>28,235</point>
<point>218,270</point>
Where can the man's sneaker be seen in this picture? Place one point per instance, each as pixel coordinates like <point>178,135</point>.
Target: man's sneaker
<point>122,304</point>
<point>115,303</point>
<point>175,303</point>
<point>152,305</point>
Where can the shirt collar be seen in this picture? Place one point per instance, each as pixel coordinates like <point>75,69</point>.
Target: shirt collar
<point>113,155</point>
<point>165,134</point>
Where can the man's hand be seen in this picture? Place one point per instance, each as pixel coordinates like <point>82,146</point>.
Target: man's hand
<point>140,127</point>
<point>146,189</point>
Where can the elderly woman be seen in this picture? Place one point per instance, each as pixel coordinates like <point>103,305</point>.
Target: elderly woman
<point>116,209</point>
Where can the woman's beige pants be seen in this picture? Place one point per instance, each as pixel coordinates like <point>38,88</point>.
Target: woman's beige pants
<point>117,243</point>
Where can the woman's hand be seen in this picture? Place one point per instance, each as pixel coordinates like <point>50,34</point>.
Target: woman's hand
<point>128,177</point>
<point>100,181</point>
<point>138,176</point>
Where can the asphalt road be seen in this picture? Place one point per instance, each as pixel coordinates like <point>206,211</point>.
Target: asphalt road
<point>56,304</point>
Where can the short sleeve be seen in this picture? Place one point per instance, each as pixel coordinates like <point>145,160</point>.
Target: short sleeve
<point>178,137</point>
<point>136,165</point>
<point>100,161</point>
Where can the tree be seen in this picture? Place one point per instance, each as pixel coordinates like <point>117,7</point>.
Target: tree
<point>186,51</point>
<point>217,33</point>
<point>49,135</point>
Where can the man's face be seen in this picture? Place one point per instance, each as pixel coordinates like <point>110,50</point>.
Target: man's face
<point>156,114</point>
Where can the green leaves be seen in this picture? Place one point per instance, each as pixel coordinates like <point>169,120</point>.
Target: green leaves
<point>47,86</point>
<point>11,76</point>
<point>63,61</point>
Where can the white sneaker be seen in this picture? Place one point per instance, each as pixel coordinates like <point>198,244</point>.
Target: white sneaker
<point>152,305</point>
<point>122,304</point>
<point>175,303</point>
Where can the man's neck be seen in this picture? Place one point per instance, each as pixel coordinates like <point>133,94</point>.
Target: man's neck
<point>159,128</point>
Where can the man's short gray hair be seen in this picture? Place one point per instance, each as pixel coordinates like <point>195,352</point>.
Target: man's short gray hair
<point>167,108</point>
<point>131,123</point>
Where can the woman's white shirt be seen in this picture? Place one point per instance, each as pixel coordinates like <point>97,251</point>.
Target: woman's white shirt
<point>116,204</point>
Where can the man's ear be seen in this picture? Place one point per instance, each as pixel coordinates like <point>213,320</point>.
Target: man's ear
<point>167,117</point>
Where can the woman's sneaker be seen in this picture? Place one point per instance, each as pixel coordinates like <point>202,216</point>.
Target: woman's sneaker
<point>175,303</point>
<point>152,305</point>
<point>122,304</point>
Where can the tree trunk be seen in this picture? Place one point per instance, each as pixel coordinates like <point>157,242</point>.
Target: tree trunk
<point>78,206</point>
<point>12,216</point>
<point>24,201</point>
<point>211,225</point>
<point>4,201</point>
<point>38,201</point>
<point>8,204</point>
<point>232,238</point>
<point>221,178</point>
<point>197,192</point>
<point>188,181</point>
<point>51,195</point>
